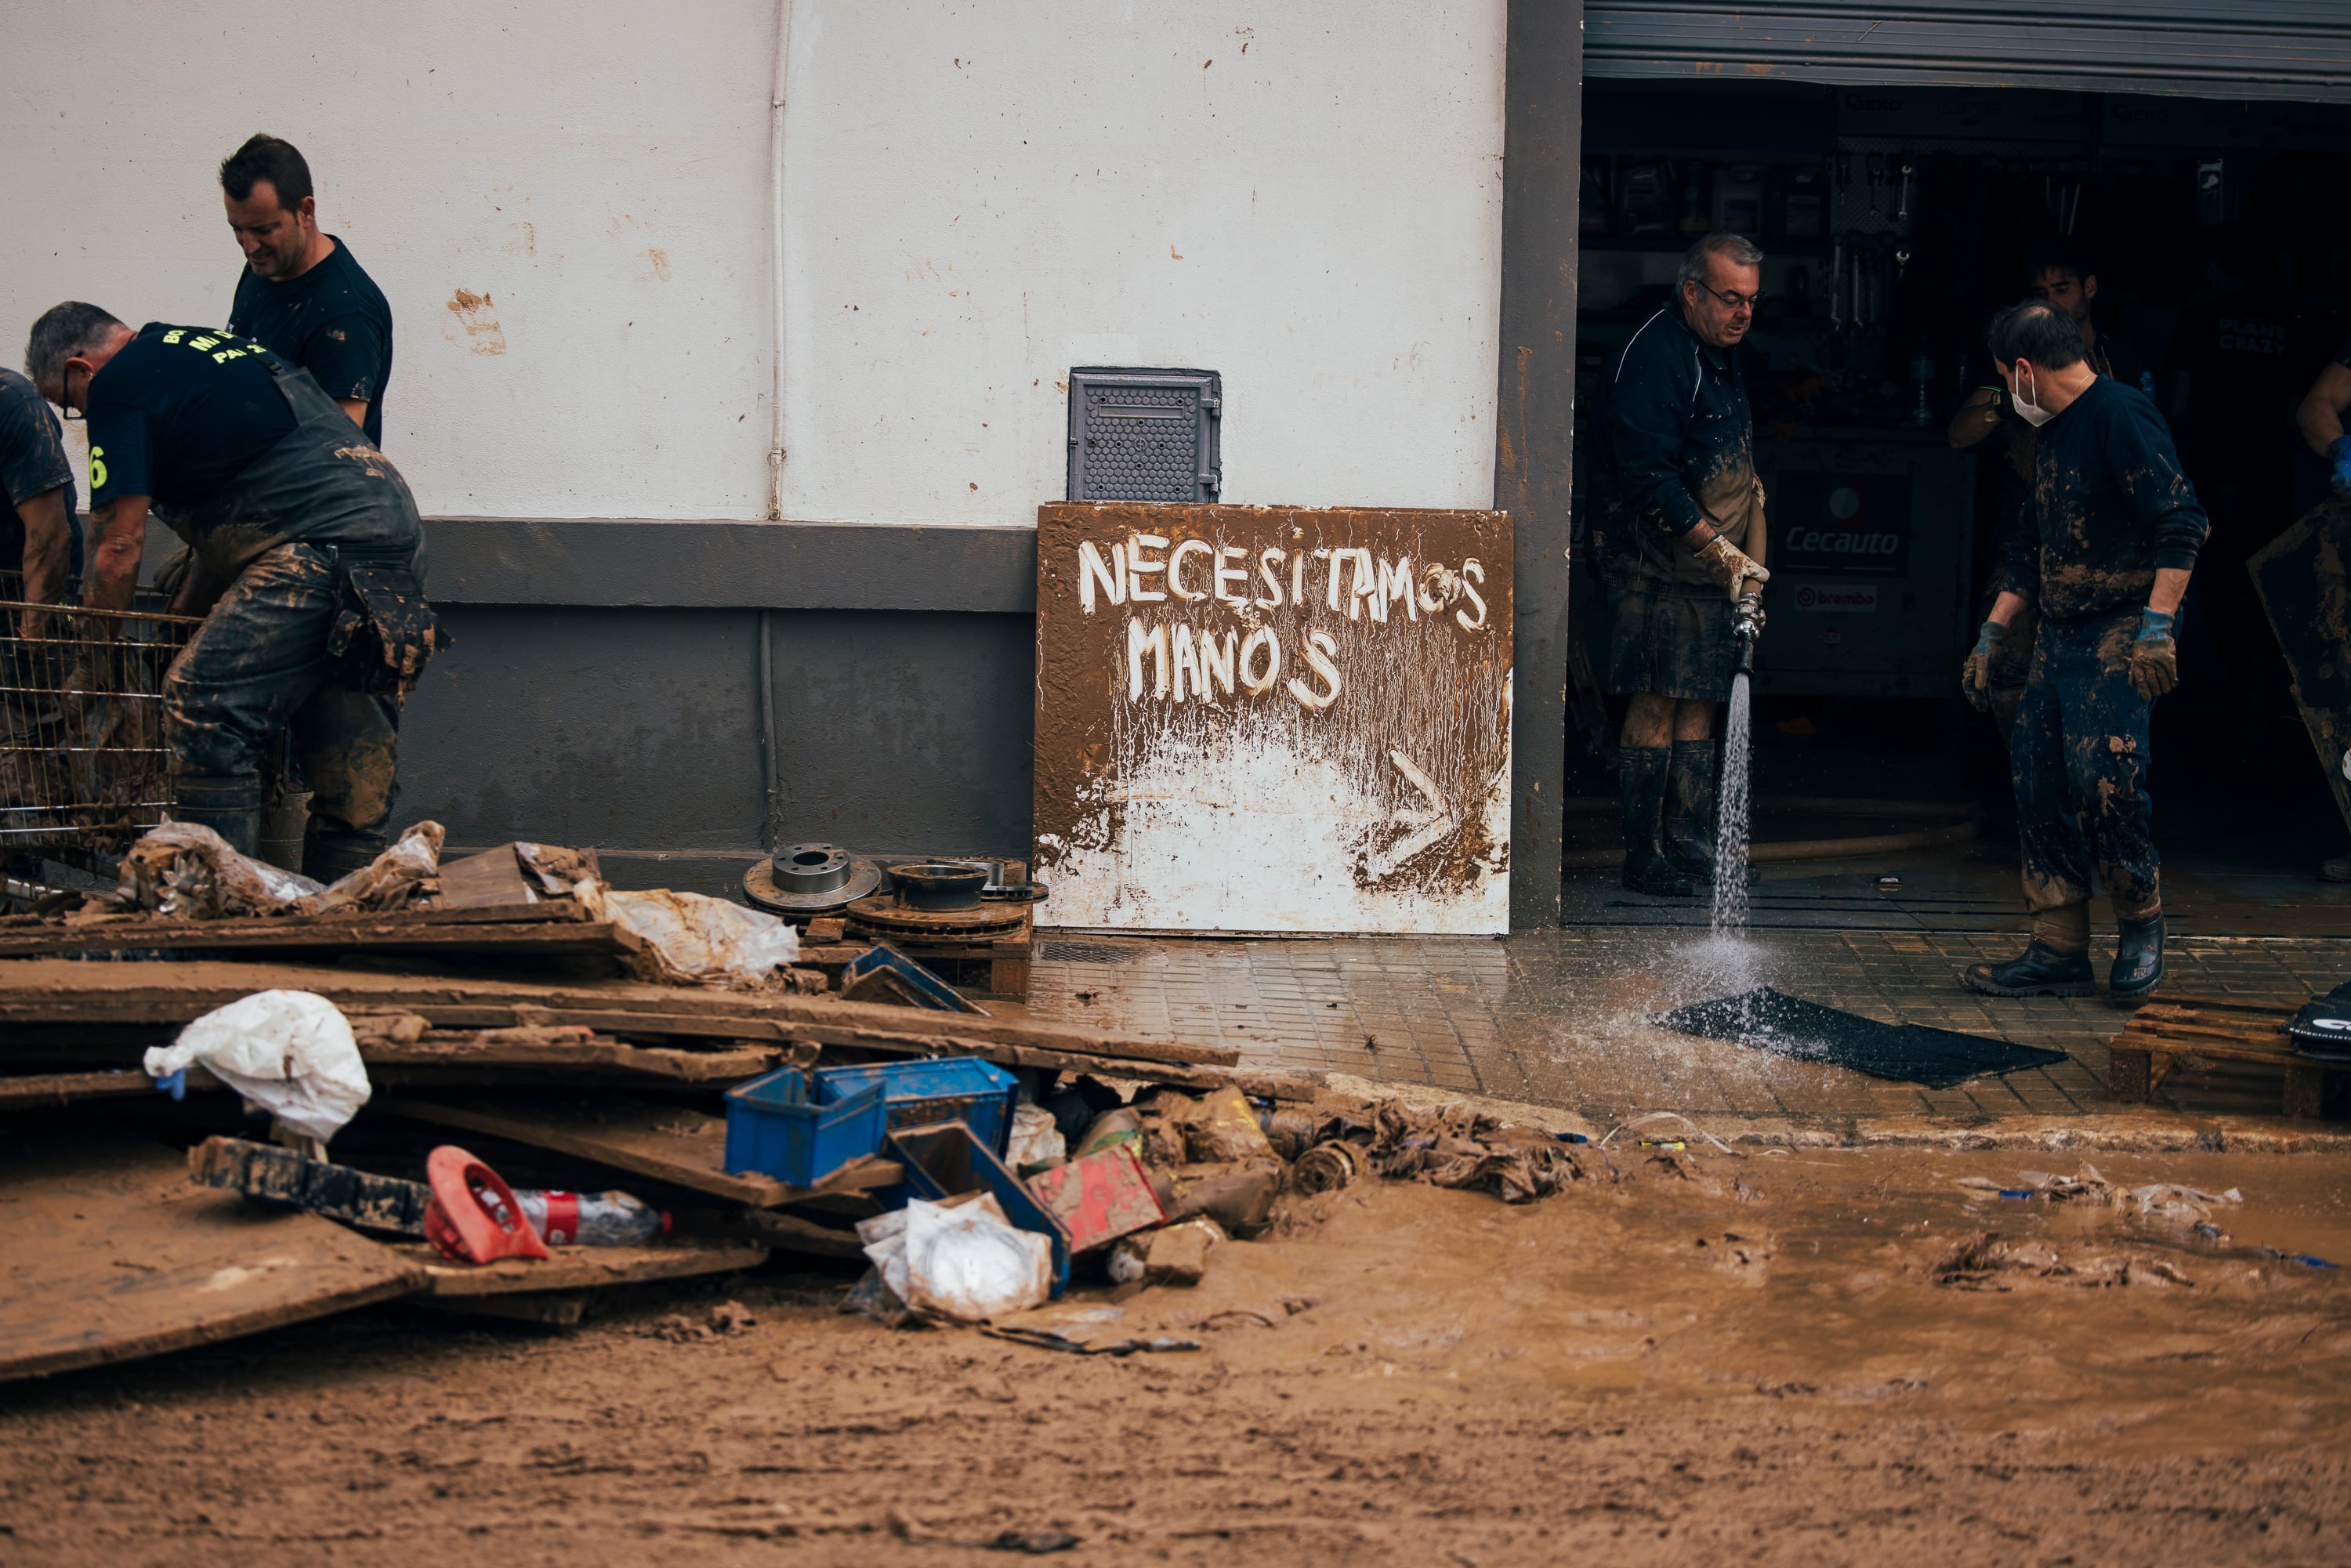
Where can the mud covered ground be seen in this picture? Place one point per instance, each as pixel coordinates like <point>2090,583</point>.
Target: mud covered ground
<point>1711,1359</point>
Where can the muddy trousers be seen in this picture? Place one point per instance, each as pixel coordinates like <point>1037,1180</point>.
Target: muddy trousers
<point>2079,757</point>
<point>258,665</point>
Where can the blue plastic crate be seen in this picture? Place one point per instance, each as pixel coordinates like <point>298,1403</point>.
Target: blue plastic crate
<point>918,1093</point>
<point>776,1127</point>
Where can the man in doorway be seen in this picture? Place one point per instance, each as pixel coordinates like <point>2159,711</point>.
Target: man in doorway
<point>303,296</point>
<point>1680,536</point>
<point>2058,274</point>
<point>305,543</point>
<point>2111,540</point>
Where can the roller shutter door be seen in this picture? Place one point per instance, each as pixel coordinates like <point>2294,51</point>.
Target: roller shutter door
<point>2266,48</point>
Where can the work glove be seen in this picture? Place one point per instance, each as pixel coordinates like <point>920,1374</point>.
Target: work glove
<point>1730,568</point>
<point>2154,657</point>
<point>2341,451</point>
<point>1975,674</point>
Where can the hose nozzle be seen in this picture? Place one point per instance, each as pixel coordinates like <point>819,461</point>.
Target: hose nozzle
<point>1747,626</point>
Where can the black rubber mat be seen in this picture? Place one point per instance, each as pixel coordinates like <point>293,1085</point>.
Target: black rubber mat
<point>1807,1031</point>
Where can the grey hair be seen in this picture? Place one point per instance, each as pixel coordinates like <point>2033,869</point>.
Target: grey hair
<point>65,331</point>
<point>1736,249</point>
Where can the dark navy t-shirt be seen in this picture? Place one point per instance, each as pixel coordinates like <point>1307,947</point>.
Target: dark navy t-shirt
<point>332,321</point>
<point>179,412</point>
<point>33,461</point>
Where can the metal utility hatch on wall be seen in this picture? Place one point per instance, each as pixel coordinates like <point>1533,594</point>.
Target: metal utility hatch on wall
<point>1145,436</point>
<point>2261,48</point>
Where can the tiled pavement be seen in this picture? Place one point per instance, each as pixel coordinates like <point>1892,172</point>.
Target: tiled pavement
<point>1558,1017</point>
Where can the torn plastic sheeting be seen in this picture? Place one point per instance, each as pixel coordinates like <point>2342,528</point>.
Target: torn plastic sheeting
<point>185,868</point>
<point>967,1263</point>
<point>691,939</point>
<point>387,881</point>
<point>1035,1140</point>
<point>287,1051</point>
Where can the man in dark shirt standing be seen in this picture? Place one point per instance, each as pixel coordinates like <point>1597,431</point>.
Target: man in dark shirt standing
<point>36,497</point>
<point>303,295</point>
<point>2110,542</point>
<point>1680,536</point>
<point>305,543</point>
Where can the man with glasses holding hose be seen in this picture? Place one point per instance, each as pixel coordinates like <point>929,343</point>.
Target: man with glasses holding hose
<point>1679,534</point>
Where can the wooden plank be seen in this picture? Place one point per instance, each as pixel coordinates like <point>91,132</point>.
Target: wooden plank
<point>687,1148</point>
<point>52,990</point>
<point>21,1090</point>
<point>557,1309</point>
<point>498,1048</point>
<point>582,1268</point>
<point>2127,1075</point>
<point>107,1254</point>
<point>375,935</point>
<point>2278,1005</point>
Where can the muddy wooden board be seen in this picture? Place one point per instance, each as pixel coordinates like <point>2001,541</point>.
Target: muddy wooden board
<point>108,1252</point>
<point>43,992</point>
<point>1273,719</point>
<point>667,1143</point>
<point>463,931</point>
<point>582,1268</point>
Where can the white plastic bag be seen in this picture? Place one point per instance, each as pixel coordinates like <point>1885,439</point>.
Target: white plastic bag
<point>691,939</point>
<point>1035,1139</point>
<point>185,868</point>
<point>287,1051</point>
<point>966,1264</point>
<point>387,881</point>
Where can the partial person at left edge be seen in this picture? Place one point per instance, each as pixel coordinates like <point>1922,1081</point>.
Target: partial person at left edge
<point>303,295</point>
<point>38,537</point>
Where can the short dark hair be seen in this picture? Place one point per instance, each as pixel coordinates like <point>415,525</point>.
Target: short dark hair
<point>2057,253</point>
<point>2032,330</point>
<point>270,158</point>
<point>1735,250</point>
<point>64,332</point>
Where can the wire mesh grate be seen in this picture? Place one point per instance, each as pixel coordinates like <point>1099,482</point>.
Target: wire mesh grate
<point>83,763</point>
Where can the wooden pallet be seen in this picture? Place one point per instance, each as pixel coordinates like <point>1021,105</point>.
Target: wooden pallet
<point>2178,1026</point>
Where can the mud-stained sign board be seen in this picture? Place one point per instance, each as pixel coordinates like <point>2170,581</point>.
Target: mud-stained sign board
<point>1269,718</point>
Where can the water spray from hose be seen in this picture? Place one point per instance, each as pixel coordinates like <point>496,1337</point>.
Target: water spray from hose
<point>1738,757</point>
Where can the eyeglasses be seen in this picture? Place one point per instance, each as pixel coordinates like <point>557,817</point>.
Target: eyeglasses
<point>1753,301</point>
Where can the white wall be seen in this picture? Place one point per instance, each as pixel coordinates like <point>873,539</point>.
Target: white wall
<point>979,197</point>
<point>1305,197</point>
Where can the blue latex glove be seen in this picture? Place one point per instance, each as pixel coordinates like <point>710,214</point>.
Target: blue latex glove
<point>1975,675</point>
<point>2341,451</point>
<point>2154,657</point>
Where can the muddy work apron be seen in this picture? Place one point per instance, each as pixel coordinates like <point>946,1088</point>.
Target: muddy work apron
<point>323,630</point>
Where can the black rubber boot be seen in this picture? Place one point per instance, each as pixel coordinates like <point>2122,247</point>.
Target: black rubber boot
<point>2038,971</point>
<point>2138,959</point>
<point>1641,789</point>
<point>230,805</point>
<point>1690,813</point>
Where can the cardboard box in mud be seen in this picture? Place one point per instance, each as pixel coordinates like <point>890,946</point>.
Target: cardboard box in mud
<point>1269,718</point>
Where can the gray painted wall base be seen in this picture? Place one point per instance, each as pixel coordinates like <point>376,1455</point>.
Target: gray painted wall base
<point>637,731</point>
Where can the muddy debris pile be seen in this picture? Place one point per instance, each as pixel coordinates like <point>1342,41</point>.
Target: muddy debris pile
<point>495,1084</point>
<point>1141,1192</point>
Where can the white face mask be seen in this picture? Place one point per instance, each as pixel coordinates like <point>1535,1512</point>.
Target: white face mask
<point>2032,413</point>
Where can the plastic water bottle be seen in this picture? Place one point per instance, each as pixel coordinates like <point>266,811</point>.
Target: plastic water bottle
<point>592,1219</point>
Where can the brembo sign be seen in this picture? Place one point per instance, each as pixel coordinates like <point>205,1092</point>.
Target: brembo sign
<point>1841,525</point>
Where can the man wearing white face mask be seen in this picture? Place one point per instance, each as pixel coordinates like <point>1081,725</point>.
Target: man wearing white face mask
<point>2111,536</point>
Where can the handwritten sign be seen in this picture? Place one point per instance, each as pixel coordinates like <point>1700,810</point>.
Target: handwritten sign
<point>1268,719</point>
